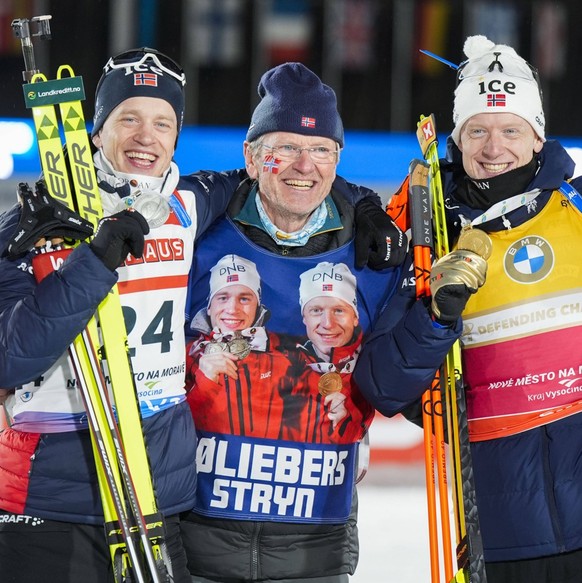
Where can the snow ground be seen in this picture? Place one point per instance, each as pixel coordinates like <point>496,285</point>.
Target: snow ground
<point>393,526</point>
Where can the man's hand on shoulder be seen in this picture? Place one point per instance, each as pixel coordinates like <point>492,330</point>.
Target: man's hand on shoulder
<point>379,242</point>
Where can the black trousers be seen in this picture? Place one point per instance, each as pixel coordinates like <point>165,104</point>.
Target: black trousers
<point>34,550</point>
<point>563,568</point>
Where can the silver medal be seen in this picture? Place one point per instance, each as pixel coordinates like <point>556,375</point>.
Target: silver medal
<point>151,205</point>
<point>212,347</point>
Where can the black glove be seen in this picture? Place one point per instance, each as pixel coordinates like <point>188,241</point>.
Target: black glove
<point>451,301</point>
<point>379,242</point>
<point>43,217</point>
<point>119,235</point>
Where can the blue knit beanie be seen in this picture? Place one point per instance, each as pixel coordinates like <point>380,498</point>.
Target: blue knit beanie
<point>140,72</point>
<point>293,99</point>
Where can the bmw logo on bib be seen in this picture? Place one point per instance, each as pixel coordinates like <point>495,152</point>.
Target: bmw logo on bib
<point>529,260</point>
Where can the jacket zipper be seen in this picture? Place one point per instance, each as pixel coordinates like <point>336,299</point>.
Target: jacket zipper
<point>255,567</point>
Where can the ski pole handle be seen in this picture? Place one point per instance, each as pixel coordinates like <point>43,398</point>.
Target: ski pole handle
<point>420,209</point>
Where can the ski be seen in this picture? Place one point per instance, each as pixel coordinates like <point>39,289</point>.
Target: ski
<point>470,558</point>
<point>116,350</point>
<point>422,240</point>
<point>134,526</point>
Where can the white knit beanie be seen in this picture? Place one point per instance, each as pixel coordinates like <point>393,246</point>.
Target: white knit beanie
<point>328,280</point>
<point>234,270</point>
<point>495,79</point>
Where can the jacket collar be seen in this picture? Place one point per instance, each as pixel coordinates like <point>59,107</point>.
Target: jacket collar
<point>555,167</point>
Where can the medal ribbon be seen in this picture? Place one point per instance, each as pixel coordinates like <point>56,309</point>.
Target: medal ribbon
<point>323,367</point>
<point>572,194</point>
<point>503,207</point>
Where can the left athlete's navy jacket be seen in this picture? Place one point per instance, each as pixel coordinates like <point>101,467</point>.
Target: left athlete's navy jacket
<point>47,466</point>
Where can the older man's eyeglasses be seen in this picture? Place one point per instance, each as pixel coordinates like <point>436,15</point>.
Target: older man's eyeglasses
<point>318,154</point>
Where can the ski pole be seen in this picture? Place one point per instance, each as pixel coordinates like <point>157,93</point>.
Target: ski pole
<point>104,445</point>
<point>470,558</point>
<point>433,431</point>
<point>101,400</point>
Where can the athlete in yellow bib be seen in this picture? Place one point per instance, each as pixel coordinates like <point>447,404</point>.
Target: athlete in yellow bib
<point>522,333</point>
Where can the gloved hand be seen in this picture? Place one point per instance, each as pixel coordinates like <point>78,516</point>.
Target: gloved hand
<point>119,235</point>
<point>453,279</point>
<point>44,218</point>
<point>379,242</point>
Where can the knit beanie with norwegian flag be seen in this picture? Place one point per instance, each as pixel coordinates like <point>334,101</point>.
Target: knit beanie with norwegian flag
<point>495,79</point>
<point>136,80</point>
<point>294,99</point>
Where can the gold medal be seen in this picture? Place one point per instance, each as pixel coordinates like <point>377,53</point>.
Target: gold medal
<point>330,382</point>
<point>475,240</point>
<point>240,347</point>
<point>212,347</point>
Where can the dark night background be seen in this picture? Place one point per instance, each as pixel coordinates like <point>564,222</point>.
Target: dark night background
<point>383,82</point>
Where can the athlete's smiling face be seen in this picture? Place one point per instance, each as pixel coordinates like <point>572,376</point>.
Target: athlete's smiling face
<point>330,322</point>
<point>495,143</point>
<point>233,308</point>
<point>139,136</point>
